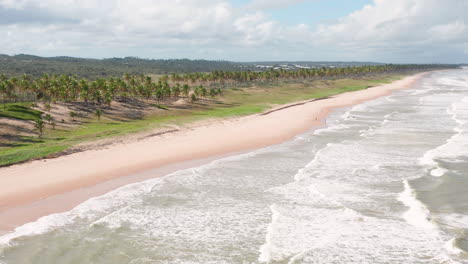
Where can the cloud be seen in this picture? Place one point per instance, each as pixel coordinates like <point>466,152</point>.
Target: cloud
<point>449,31</point>
<point>11,16</point>
<point>388,31</point>
<point>400,30</point>
<point>271,4</point>
<point>148,24</point>
<point>255,29</point>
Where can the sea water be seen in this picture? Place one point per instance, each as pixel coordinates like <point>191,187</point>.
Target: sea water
<point>383,182</point>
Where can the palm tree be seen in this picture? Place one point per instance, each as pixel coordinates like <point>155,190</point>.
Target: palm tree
<point>193,98</point>
<point>3,92</point>
<point>39,125</point>
<point>47,107</point>
<point>48,118</point>
<point>176,90</point>
<point>186,90</point>
<point>53,88</point>
<point>98,114</point>
<point>73,115</point>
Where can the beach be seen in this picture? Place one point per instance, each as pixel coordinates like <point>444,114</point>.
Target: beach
<point>42,187</point>
<point>368,181</point>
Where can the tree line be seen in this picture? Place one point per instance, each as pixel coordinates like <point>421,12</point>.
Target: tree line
<point>103,91</point>
<point>104,68</point>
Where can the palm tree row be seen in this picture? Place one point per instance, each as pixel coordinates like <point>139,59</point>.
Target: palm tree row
<point>52,88</point>
<point>236,77</point>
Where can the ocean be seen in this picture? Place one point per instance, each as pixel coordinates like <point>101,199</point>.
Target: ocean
<point>382,182</point>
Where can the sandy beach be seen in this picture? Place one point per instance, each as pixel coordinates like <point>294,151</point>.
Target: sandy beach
<point>31,190</point>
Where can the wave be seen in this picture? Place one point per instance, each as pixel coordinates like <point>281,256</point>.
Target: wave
<point>454,147</point>
<point>417,215</point>
<point>372,130</point>
<point>337,127</point>
<point>267,248</point>
<point>100,209</point>
<point>455,220</point>
<point>426,88</point>
<point>347,115</point>
<point>421,91</point>
<point>438,171</point>
<point>296,230</point>
<point>451,81</point>
<point>302,173</point>
<point>96,207</point>
<point>453,249</point>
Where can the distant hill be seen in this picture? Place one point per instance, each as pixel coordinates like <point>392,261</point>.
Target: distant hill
<point>96,68</point>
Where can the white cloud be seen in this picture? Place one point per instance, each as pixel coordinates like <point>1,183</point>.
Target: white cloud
<point>400,30</point>
<point>16,4</point>
<point>393,31</point>
<point>272,4</point>
<point>449,31</point>
<point>255,29</point>
<point>134,23</point>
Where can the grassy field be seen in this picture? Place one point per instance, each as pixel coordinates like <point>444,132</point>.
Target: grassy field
<point>20,111</point>
<point>234,102</point>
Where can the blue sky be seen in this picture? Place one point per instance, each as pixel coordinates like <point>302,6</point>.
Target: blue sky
<point>395,31</point>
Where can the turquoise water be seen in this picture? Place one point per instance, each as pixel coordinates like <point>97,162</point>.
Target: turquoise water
<point>383,182</point>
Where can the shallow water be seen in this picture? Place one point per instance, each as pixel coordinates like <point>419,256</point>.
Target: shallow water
<point>383,182</point>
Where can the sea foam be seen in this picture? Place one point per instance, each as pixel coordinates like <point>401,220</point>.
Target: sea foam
<point>417,214</point>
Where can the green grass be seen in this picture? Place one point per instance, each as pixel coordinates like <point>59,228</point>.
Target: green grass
<point>55,141</point>
<point>235,102</point>
<point>232,111</point>
<point>160,106</point>
<point>28,152</point>
<point>22,111</point>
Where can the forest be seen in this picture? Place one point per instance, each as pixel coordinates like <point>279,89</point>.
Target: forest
<point>104,68</point>
<point>92,69</point>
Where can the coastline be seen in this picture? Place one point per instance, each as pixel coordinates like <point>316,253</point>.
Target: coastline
<point>31,190</point>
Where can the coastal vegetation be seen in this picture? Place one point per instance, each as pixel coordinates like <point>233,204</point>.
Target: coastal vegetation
<point>53,88</point>
<point>92,69</point>
<point>53,114</point>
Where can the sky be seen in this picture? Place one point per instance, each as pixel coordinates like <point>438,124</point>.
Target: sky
<point>392,31</point>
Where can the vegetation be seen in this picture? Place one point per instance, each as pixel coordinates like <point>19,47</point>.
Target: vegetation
<point>243,93</point>
<point>67,88</point>
<point>19,111</point>
<point>93,68</point>
<point>160,106</point>
<point>73,115</point>
<point>98,113</point>
<point>39,125</point>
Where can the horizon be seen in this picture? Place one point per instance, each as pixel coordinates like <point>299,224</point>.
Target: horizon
<point>415,31</point>
<point>223,60</point>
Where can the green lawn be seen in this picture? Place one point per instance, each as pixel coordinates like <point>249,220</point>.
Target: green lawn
<point>20,111</point>
<point>234,102</point>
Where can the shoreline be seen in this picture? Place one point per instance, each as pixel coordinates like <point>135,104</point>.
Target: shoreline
<point>31,190</point>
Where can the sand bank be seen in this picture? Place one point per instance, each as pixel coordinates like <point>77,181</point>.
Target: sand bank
<point>38,188</point>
